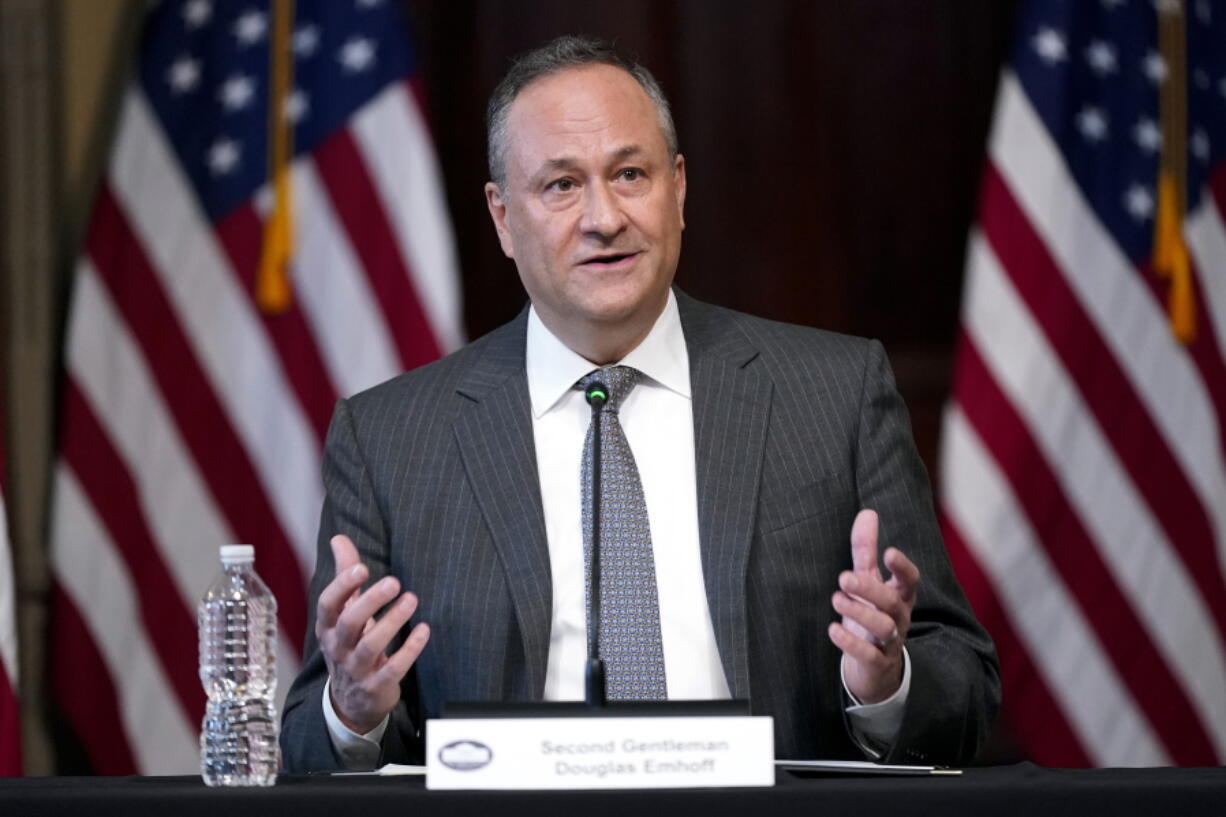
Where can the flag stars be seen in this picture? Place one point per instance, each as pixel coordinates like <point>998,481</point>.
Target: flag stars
<point>184,75</point>
<point>1139,202</point>
<point>1111,5</point>
<point>223,156</point>
<point>250,27</point>
<point>1167,6</point>
<point>1203,12</point>
<point>236,92</point>
<point>306,41</point>
<point>1092,123</point>
<point>357,55</point>
<point>1201,78</point>
<point>1200,144</point>
<point>1148,135</point>
<point>1154,67</point>
<point>297,106</point>
<point>1101,57</point>
<point>368,4</point>
<point>1049,44</point>
<point>197,13</point>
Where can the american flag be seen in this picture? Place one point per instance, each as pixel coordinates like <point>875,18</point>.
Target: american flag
<point>10,722</point>
<point>194,409</point>
<point>1084,452</point>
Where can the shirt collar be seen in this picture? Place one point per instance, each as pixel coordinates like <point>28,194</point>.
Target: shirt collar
<point>553,368</point>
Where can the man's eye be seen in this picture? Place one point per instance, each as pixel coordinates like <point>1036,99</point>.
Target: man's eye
<point>631,174</point>
<point>563,185</point>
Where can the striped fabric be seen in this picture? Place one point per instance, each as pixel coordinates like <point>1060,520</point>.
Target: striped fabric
<point>192,416</point>
<point>1083,468</point>
<point>10,723</point>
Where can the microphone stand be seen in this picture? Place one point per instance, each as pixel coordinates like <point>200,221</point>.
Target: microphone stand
<point>594,693</point>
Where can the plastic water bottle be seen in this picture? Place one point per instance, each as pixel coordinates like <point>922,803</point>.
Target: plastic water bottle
<point>238,634</point>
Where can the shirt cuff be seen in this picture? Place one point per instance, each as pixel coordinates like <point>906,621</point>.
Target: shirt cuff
<point>874,727</point>
<point>357,752</point>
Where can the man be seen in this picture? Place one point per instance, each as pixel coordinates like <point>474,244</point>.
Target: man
<point>755,450</point>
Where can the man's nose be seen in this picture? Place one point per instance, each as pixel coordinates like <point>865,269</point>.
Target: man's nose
<point>602,212</point>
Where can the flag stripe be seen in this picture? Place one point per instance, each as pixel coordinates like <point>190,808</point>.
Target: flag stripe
<point>8,598</point>
<point>979,503</point>
<point>353,196</point>
<point>234,361</point>
<point>91,709</point>
<point>104,478</point>
<point>1035,715</point>
<point>90,567</point>
<point>395,141</point>
<point>221,458</point>
<point>1142,561</point>
<point>336,294</point>
<point>10,721</point>
<point>1106,389</point>
<point>1206,231</point>
<point>1206,351</point>
<point>1071,551</point>
<point>241,235</point>
<point>1217,190</point>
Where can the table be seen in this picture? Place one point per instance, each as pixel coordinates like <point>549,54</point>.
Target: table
<point>1002,791</point>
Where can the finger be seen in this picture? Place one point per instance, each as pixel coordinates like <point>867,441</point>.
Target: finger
<point>352,621</point>
<point>401,661</point>
<point>882,629</point>
<point>345,556</point>
<point>874,592</point>
<point>855,647</point>
<point>904,575</point>
<point>864,543</point>
<point>344,553</point>
<point>335,596</point>
<point>376,637</point>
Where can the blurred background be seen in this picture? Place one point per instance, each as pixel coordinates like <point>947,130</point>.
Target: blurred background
<point>835,156</point>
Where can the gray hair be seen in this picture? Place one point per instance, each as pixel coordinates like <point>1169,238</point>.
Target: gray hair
<point>558,55</point>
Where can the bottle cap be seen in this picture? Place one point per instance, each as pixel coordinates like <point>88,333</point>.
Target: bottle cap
<point>237,555</point>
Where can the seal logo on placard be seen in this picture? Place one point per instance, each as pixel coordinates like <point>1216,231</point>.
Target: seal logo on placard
<point>465,755</point>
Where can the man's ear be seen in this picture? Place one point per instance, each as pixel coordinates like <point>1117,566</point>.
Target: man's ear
<point>679,187</point>
<point>498,212</point>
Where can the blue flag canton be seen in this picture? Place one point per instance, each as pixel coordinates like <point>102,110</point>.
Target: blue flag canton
<point>205,69</point>
<point>1092,69</point>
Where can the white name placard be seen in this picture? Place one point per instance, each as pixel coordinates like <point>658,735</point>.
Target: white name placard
<point>600,753</point>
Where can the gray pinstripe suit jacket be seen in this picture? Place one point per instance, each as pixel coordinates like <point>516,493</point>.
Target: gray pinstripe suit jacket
<point>433,475</point>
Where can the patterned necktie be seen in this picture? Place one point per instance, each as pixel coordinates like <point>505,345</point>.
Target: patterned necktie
<point>630,641</point>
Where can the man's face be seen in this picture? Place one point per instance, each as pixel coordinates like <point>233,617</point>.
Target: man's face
<point>592,210</point>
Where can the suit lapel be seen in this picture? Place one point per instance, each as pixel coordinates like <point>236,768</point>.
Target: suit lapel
<point>731,402</point>
<point>494,434</point>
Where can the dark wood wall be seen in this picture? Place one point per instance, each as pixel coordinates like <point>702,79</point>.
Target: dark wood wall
<point>833,152</point>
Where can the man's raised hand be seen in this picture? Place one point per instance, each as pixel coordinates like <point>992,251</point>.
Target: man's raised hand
<point>876,614</point>
<point>365,680</point>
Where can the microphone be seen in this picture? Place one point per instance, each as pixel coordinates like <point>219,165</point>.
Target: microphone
<point>597,395</point>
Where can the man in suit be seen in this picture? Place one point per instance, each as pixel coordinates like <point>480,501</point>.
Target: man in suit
<point>758,450</point>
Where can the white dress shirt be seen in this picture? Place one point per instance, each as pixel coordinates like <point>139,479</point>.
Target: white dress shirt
<point>658,423</point>
<point>657,418</point>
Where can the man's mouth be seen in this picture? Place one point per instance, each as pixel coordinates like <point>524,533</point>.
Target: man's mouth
<point>609,260</point>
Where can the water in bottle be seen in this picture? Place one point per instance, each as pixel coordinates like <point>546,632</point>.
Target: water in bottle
<point>238,632</point>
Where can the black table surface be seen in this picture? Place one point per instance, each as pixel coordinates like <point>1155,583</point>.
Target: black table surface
<point>1000,791</point>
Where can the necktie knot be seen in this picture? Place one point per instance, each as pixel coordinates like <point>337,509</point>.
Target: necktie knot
<point>619,380</point>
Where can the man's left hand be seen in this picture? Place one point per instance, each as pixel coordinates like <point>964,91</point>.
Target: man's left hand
<point>876,614</point>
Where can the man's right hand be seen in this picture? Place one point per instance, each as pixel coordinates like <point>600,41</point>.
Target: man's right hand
<point>365,680</point>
